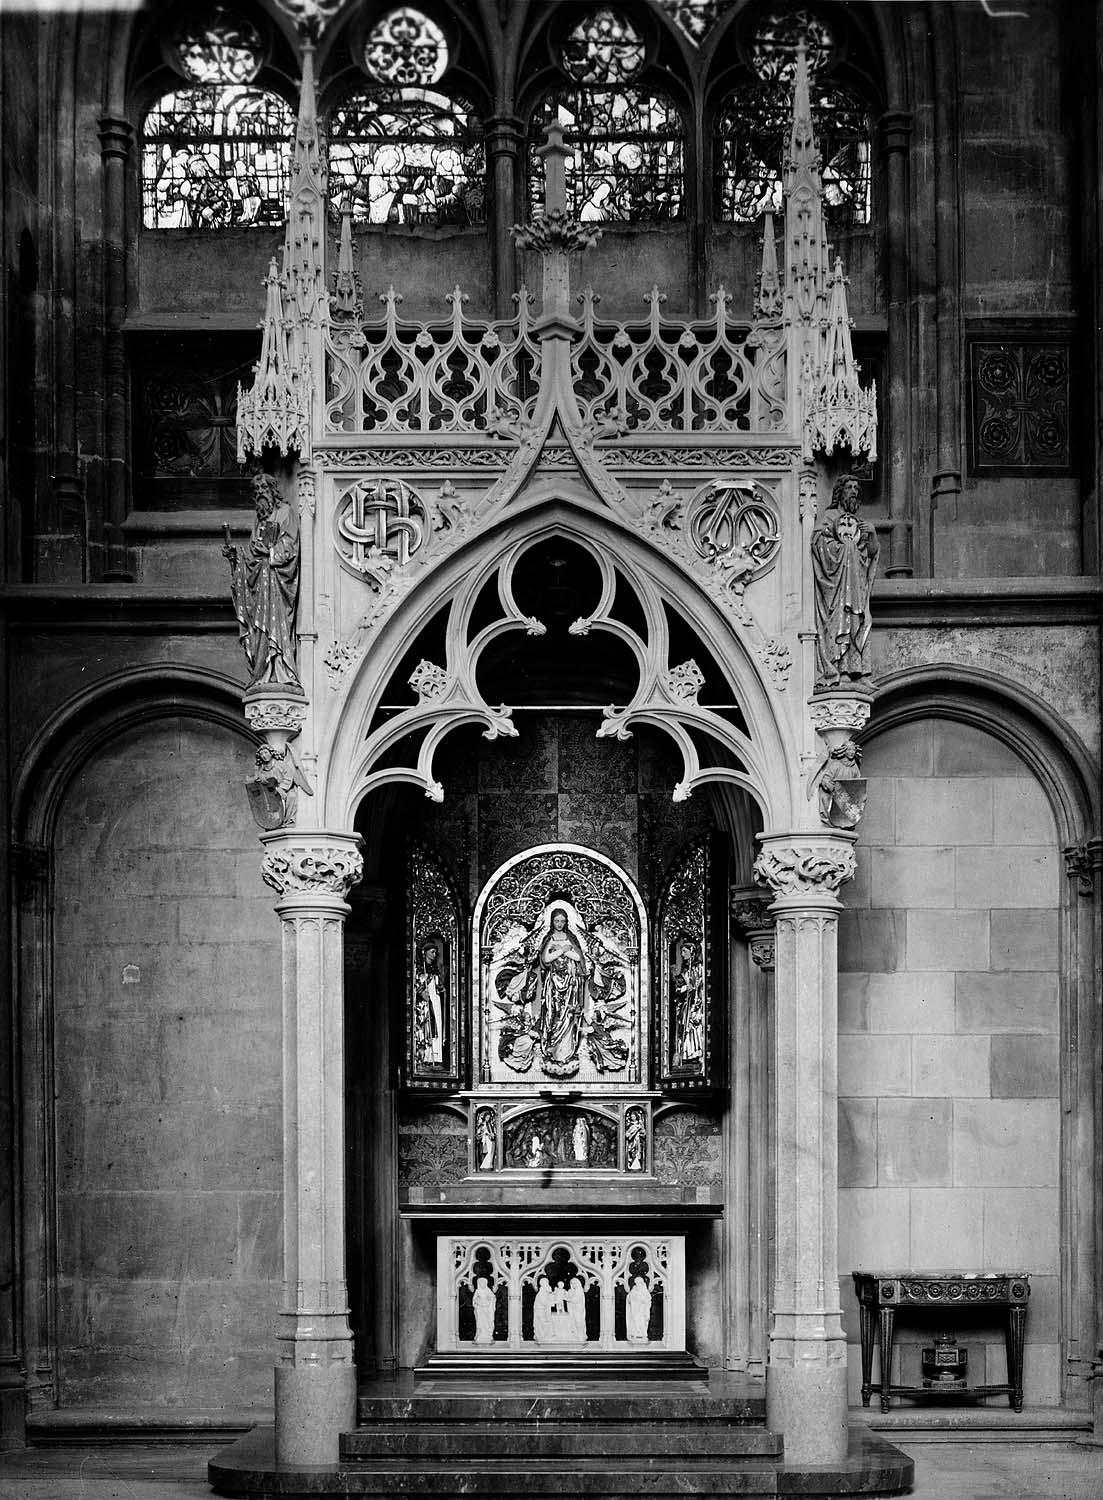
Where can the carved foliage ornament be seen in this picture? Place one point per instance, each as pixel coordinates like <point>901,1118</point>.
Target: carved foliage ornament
<point>308,869</point>
<point>805,870</point>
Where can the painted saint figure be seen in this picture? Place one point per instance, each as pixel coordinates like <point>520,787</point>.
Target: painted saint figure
<point>429,1007</point>
<point>264,586</point>
<point>844,561</point>
<point>635,1140</point>
<point>483,1302</point>
<point>688,989</point>
<point>485,1144</point>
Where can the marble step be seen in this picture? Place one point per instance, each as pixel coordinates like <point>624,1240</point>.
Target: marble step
<point>555,1439</point>
<point>547,1366</point>
<point>872,1468</point>
<point>443,1401</point>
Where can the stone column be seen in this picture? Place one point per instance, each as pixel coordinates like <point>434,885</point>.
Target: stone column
<point>806,1367</point>
<point>505,145</point>
<point>116,138</point>
<point>313,872</point>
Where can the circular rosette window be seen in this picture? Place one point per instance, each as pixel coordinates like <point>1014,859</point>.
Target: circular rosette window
<point>379,526</point>
<point>734,525</point>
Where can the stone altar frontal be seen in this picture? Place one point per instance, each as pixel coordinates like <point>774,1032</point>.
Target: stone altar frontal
<point>533,1293</point>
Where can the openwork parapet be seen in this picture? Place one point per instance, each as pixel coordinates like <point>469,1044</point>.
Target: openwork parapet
<point>653,375</point>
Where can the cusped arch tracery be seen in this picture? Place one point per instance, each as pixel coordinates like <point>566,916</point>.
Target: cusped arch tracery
<point>739,742</point>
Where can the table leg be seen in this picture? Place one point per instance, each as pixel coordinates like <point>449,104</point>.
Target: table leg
<point>886,1319</point>
<point>867,1326</point>
<point>1016,1338</point>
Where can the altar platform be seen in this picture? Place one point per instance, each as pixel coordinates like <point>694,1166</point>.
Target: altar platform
<point>447,1438</point>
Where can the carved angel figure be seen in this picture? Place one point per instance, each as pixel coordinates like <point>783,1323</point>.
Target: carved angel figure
<point>274,787</point>
<point>264,586</point>
<point>561,993</point>
<point>844,562</point>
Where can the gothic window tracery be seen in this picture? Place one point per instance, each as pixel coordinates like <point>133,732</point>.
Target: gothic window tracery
<point>407,156</point>
<point>751,132</point>
<point>406,48</point>
<point>215,150</point>
<point>626,140</point>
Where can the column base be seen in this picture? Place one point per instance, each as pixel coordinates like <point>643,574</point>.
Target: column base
<point>314,1406</point>
<point>806,1403</point>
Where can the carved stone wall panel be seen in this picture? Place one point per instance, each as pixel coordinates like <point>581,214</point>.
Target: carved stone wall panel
<point>1019,405</point>
<point>432,1150</point>
<point>688,1149</point>
<point>542,1291</point>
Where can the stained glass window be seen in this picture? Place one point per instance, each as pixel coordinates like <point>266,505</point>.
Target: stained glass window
<point>751,138</point>
<point>216,46</point>
<point>215,157</point>
<point>408,156</point>
<point>626,154</point>
<point>604,48</point>
<point>406,48</point>
<point>695,18</point>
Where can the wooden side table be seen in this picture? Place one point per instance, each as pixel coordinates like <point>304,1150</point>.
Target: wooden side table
<point>882,1293</point>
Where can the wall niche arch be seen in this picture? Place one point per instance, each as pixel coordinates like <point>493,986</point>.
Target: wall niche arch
<point>553,781</point>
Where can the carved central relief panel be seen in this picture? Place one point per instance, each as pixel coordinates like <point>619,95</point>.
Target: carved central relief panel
<point>561,974</point>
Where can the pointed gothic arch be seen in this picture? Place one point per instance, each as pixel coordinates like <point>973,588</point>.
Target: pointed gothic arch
<point>665,698</point>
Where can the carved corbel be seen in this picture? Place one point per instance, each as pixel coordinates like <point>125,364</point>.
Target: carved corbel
<point>837,781</point>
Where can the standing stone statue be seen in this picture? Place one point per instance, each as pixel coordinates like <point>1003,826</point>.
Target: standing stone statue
<point>484,1305</point>
<point>844,562</point>
<point>264,585</point>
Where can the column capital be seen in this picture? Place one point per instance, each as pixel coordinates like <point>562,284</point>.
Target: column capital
<point>317,865</point>
<point>116,137</point>
<point>895,127</point>
<point>504,135</point>
<point>1082,861</point>
<point>805,869</point>
<point>761,946</point>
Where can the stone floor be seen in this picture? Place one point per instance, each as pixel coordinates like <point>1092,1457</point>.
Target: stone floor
<point>943,1471</point>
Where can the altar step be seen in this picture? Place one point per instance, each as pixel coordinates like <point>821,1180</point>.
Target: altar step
<point>518,1364</point>
<point>616,1440</point>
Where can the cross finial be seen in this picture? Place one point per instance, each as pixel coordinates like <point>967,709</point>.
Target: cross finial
<point>555,154</point>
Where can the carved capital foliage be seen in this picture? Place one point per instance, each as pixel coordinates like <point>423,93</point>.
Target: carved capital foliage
<point>762,951</point>
<point>805,867</point>
<point>265,713</point>
<point>1082,861</point>
<point>844,711</point>
<point>325,867</point>
<point>750,913</point>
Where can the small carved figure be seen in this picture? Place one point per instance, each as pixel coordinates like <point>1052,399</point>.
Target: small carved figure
<point>842,790</point>
<point>580,1140</point>
<point>576,1311</point>
<point>844,562</point>
<point>638,1311</point>
<point>429,1007</point>
<point>485,1145</point>
<point>536,1151</point>
<point>264,586</point>
<point>274,787</point>
<point>635,1132</point>
<point>688,987</point>
<point>484,1302</point>
<point>544,1312</point>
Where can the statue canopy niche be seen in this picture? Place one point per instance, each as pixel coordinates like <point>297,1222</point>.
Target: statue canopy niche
<point>560,987</point>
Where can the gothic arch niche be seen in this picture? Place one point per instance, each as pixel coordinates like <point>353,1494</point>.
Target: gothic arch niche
<point>502,754</point>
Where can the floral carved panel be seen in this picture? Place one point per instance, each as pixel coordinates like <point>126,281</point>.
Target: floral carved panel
<point>1019,405</point>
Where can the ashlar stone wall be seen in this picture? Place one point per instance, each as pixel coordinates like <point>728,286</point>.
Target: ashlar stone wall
<point>167,1043</point>
<point>949,1115</point>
